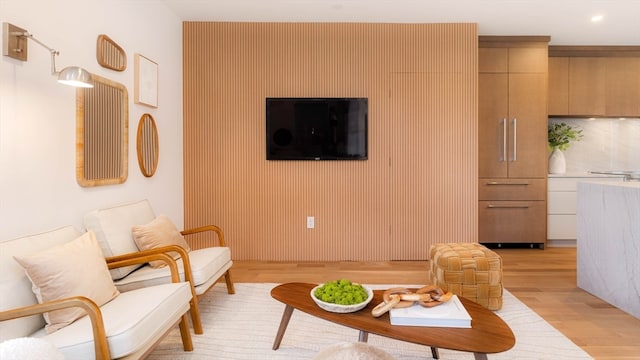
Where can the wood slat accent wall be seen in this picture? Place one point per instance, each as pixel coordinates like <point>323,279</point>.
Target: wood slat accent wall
<point>418,186</point>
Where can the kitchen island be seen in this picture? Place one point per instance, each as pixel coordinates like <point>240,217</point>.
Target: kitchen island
<point>608,245</point>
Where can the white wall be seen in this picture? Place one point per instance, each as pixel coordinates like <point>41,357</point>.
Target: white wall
<point>38,188</point>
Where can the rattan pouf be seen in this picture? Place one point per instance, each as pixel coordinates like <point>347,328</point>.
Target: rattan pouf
<point>468,270</point>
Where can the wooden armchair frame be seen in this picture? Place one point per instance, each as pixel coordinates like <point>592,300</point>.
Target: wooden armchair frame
<point>188,274</point>
<point>93,310</point>
<point>221,242</point>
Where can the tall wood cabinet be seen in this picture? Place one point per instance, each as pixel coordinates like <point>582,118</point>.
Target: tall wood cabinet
<point>512,131</point>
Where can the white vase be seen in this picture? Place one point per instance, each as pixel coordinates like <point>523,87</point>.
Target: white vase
<point>557,162</point>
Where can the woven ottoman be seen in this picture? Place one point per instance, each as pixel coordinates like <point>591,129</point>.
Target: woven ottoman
<point>468,270</point>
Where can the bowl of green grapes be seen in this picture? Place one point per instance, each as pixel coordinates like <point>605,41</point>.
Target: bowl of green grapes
<point>341,296</point>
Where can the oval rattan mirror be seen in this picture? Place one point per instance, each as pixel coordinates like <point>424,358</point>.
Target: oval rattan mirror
<point>147,145</point>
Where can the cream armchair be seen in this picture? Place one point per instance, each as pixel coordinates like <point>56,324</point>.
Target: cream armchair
<point>202,268</point>
<point>128,326</point>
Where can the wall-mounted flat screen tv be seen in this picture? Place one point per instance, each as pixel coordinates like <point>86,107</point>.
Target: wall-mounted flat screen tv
<point>317,128</point>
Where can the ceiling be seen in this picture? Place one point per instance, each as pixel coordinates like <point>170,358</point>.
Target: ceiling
<point>568,22</point>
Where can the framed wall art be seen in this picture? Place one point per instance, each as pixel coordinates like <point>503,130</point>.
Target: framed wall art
<point>145,86</point>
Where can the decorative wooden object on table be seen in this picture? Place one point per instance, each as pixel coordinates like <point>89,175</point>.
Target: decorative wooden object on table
<point>102,133</point>
<point>488,334</point>
<point>147,145</point>
<point>109,54</point>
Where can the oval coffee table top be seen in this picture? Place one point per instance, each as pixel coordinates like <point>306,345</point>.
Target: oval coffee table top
<point>488,333</point>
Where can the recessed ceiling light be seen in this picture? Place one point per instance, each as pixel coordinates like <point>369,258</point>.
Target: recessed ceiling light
<point>596,18</point>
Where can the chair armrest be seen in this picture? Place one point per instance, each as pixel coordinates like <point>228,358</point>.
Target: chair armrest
<point>201,229</point>
<point>186,262</point>
<point>145,256</point>
<point>93,311</point>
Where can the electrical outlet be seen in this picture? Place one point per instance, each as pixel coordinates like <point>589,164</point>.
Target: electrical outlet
<point>311,222</point>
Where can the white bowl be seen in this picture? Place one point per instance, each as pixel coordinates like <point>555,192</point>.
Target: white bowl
<point>337,308</point>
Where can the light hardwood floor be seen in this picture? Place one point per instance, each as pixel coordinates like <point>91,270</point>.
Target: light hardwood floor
<point>545,280</point>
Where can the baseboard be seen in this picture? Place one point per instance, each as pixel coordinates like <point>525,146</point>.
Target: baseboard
<point>561,243</point>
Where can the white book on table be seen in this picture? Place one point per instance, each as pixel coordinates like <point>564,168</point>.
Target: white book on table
<point>448,314</point>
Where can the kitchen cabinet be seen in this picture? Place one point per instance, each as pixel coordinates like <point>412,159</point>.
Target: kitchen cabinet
<point>594,86</point>
<point>561,207</point>
<point>512,222</point>
<point>512,134</point>
<point>558,85</point>
<point>587,86</point>
<point>622,86</point>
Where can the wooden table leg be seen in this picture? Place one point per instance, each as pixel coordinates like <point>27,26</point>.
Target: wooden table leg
<point>434,353</point>
<point>363,336</point>
<point>480,356</point>
<point>286,316</point>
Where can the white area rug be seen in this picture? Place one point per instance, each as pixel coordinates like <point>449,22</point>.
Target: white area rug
<point>243,326</point>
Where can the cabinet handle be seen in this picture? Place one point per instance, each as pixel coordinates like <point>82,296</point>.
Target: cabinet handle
<point>504,140</point>
<point>515,139</point>
<point>507,206</point>
<point>507,183</point>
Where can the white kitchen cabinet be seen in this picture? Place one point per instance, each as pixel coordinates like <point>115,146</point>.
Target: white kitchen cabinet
<point>562,202</point>
<point>561,207</point>
<point>561,227</point>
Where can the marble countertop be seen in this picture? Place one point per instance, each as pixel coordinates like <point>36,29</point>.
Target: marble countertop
<point>583,175</point>
<point>626,184</point>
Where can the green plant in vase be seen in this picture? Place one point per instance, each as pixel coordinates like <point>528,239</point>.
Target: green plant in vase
<point>560,136</point>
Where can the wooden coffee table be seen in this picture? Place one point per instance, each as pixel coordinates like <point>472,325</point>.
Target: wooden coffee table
<point>488,334</point>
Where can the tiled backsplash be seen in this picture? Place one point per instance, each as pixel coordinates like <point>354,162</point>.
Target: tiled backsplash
<point>608,144</point>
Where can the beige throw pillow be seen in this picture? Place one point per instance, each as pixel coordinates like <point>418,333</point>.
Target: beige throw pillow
<point>159,232</point>
<point>76,268</point>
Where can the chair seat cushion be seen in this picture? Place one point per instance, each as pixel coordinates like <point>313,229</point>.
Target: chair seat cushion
<point>207,265</point>
<point>133,322</point>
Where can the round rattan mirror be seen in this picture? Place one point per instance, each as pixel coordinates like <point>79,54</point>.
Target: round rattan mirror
<point>147,145</point>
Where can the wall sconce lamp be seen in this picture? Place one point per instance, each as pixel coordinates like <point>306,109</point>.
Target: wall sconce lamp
<point>15,46</point>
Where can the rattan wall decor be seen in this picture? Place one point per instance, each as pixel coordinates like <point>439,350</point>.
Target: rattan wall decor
<point>110,55</point>
<point>102,128</point>
<point>147,145</point>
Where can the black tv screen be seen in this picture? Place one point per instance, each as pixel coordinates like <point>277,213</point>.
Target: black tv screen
<point>317,128</point>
